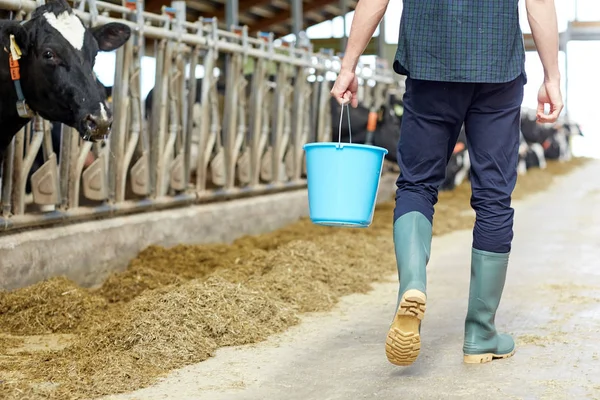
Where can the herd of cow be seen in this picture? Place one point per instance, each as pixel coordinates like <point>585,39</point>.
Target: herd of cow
<point>56,80</point>
<point>538,142</point>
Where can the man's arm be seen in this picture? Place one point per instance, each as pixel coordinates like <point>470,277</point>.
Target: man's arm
<point>541,15</point>
<point>544,29</point>
<point>367,15</point>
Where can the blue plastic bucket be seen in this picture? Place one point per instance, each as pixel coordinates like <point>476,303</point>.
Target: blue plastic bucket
<point>343,181</point>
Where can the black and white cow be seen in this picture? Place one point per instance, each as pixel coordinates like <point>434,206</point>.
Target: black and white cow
<point>56,135</point>
<point>457,169</point>
<point>558,146</point>
<point>387,132</point>
<point>547,142</point>
<point>56,71</point>
<point>534,134</point>
<point>524,151</point>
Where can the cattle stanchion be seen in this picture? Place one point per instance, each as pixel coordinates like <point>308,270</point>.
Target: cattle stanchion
<point>191,132</point>
<point>93,179</point>
<point>233,132</point>
<point>302,89</point>
<point>324,119</point>
<point>44,182</point>
<point>259,115</point>
<point>272,168</point>
<point>174,163</point>
<point>167,161</point>
<point>140,171</point>
<point>276,100</point>
<point>65,153</point>
<point>206,136</point>
<point>163,51</point>
<point>118,138</point>
<point>16,195</point>
<point>6,180</point>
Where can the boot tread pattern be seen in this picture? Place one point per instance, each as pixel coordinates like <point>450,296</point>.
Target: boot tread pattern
<point>485,358</point>
<point>403,341</point>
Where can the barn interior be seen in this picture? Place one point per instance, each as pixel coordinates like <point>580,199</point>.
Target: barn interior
<point>177,258</point>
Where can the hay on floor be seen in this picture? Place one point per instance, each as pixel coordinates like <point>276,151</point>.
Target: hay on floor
<point>173,307</point>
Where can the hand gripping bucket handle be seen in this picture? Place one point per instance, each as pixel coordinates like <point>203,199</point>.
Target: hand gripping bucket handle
<point>343,180</point>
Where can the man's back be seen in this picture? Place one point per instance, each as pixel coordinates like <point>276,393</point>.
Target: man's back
<point>460,41</point>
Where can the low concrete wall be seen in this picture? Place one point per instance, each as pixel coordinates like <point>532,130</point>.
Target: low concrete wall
<point>87,252</point>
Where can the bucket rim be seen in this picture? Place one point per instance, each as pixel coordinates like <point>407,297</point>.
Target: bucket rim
<point>351,145</point>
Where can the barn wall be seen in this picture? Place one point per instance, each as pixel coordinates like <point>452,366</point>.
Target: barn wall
<point>87,252</point>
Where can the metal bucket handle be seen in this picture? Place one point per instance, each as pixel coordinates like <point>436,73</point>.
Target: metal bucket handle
<point>339,146</point>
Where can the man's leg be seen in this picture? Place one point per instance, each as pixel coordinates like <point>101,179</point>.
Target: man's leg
<point>492,127</point>
<point>433,116</point>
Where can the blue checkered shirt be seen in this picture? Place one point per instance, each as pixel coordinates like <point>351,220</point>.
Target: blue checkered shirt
<point>460,41</point>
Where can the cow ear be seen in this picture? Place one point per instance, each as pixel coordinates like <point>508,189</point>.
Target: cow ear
<point>111,36</point>
<point>22,38</point>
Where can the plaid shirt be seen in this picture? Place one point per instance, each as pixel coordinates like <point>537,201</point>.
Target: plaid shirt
<point>460,41</point>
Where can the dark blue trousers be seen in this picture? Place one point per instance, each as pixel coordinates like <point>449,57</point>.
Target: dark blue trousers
<point>433,115</point>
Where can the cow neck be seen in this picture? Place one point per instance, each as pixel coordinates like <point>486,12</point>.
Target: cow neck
<point>15,74</point>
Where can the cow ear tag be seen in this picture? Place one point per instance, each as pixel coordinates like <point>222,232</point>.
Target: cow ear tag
<point>15,50</point>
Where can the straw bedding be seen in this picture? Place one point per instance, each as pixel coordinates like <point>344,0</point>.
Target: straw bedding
<point>173,307</point>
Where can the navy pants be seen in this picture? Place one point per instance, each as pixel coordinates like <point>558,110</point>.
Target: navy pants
<point>433,115</point>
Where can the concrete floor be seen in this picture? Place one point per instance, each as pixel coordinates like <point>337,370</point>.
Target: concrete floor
<point>551,305</point>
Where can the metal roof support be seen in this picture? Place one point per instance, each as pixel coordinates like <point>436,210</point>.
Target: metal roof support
<point>232,13</point>
<point>381,39</point>
<point>296,17</point>
<point>343,12</point>
<point>566,94</point>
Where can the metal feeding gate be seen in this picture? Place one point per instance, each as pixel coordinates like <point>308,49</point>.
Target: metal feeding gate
<point>245,141</point>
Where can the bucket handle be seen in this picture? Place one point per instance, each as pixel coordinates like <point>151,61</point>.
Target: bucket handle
<point>339,146</point>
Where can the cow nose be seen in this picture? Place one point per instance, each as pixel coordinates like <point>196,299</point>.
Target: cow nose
<point>97,126</point>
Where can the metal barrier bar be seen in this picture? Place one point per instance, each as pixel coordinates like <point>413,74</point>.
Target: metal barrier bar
<point>130,207</point>
<point>290,57</point>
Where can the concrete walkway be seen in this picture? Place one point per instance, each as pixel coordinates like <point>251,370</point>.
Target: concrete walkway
<point>551,305</point>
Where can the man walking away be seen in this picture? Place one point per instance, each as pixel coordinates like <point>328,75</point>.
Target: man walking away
<point>465,63</point>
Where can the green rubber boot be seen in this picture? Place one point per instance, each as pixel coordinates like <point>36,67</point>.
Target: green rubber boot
<point>412,240</point>
<point>482,343</point>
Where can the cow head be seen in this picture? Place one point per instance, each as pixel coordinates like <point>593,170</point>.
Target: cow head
<point>57,68</point>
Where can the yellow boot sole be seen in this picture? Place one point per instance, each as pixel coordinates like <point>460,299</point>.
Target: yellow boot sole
<point>485,358</point>
<point>403,341</point>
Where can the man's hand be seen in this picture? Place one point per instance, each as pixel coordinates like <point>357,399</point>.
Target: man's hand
<point>541,15</point>
<point>345,88</point>
<point>549,93</point>
<point>367,15</point>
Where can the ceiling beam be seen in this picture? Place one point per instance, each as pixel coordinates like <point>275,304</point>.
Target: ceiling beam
<point>244,5</point>
<point>200,7</point>
<point>263,12</point>
<point>154,6</point>
<point>283,16</point>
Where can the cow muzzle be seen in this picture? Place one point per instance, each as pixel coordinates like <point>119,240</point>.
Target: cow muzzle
<point>97,126</point>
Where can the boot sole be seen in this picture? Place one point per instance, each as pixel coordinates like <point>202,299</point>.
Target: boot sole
<point>485,358</point>
<point>403,341</point>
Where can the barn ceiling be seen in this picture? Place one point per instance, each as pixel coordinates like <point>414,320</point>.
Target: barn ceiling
<point>261,15</point>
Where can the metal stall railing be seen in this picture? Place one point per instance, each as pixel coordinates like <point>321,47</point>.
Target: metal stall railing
<point>199,143</point>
